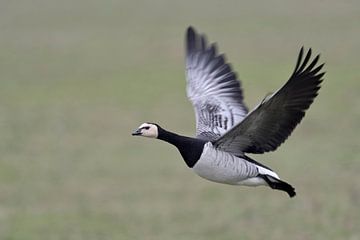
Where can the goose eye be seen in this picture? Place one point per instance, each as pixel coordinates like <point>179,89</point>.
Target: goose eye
<point>146,128</point>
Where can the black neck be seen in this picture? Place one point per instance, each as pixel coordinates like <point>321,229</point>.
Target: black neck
<point>190,148</point>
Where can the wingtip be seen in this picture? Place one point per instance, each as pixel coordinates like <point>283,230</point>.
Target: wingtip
<point>191,39</point>
<point>190,30</point>
<point>203,41</point>
<point>302,63</point>
<point>214,48</point>
<point>310,51</point>
<point>301,50</point>
<point>299,59</point>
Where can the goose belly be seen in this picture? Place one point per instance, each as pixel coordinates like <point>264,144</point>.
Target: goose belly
<point>223,167</point>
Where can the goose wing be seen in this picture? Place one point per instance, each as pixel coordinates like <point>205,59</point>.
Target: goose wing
<point>212,87</point>
<point>272,121</point>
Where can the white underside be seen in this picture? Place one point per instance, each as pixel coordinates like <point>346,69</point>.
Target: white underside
<point>257,181</point>
<point>223,167</point>
<point>253,182</point>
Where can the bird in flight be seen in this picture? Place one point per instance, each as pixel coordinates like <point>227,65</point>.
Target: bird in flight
<point>225,130</point>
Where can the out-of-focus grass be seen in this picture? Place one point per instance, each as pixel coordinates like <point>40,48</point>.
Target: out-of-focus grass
<point>77,76</point>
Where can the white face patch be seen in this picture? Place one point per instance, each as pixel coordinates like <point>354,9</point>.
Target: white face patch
<point>149,130</point>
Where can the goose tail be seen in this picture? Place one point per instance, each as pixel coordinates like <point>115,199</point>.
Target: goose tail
<point>275,183</point>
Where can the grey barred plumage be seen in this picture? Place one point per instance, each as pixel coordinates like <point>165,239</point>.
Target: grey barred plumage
<point>223,167</point>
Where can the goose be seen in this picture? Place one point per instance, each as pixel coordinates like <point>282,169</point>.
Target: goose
<point>225,130</point>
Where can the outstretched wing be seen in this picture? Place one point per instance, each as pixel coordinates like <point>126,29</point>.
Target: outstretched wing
<point>272,121</point>
<point>212,87</point>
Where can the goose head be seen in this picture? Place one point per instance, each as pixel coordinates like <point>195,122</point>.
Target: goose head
<point>149,130</point>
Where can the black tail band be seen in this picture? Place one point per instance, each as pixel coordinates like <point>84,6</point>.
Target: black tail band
<point>278,184</point>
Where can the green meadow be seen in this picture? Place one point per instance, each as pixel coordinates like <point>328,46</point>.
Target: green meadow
<point>76,77</point>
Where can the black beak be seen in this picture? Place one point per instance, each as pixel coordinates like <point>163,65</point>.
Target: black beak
<point>136,132</point>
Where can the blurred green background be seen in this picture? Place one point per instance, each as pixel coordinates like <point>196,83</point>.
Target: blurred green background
<point>76,77</point>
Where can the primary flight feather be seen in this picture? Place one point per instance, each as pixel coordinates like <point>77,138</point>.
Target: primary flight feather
<point>225,130</point>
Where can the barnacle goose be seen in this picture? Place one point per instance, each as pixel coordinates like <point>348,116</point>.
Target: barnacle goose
<point>225,129</point>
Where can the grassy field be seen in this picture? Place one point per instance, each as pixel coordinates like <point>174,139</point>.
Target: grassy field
<point>76,77</point>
